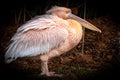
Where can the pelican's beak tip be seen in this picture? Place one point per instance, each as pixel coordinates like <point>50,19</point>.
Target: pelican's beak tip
<point>100,31</point>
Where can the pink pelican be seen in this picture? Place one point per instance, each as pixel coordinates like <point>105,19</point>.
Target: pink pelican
<point>48,35</point>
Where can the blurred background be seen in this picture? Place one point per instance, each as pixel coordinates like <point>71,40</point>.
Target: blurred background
<point>100,58</point>
<point>25,9</point>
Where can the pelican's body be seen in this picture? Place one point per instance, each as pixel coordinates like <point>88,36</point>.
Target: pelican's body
<point>50,35</point>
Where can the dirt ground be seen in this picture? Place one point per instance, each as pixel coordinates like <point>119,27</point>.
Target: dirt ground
<point>100,60</point>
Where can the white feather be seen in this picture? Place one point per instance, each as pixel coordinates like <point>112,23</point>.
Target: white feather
<point>39,22</point>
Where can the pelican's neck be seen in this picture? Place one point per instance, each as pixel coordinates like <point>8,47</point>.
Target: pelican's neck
<point>75,24</point>
<point>75,31</point>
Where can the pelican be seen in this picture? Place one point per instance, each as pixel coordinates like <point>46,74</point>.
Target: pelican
<point>48,35</point>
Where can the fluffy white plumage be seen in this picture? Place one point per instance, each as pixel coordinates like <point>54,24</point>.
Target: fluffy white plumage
<point>37,36</point>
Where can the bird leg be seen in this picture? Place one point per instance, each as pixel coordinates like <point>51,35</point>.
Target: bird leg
<point>44,67</point>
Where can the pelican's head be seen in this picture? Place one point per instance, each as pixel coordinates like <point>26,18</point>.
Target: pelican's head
<point>59,11</point>
<point>66,13</point>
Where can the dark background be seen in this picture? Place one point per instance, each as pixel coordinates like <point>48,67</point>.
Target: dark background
<point>38,7</point>
<point>94,9</point>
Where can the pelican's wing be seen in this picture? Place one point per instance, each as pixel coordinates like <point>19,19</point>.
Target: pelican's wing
<point>35,41</point>
<point>39,22</point>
